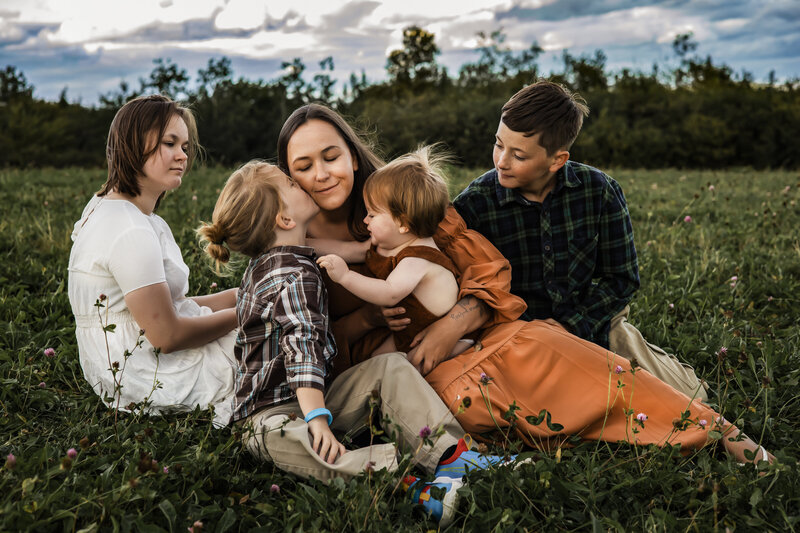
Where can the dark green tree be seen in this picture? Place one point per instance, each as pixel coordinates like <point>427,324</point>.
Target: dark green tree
<point>166,78</point>
<point>416,61</point>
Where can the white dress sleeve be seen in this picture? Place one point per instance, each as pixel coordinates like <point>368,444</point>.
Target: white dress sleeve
<point>136,260</point>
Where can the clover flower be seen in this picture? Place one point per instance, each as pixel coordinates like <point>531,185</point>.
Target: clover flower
<point>42,385</point>
<point>641,417</point>
<point>618,369</point>
<point>687,219</point>
<point>703,422</point>
<point>49,352</point>
<point>72,453</point>
<point>425,432</point>
<point>214,285</point>
<point>485,379</point>
<point>275,489</point>
<point>11,461</point>
<point>197,527</point>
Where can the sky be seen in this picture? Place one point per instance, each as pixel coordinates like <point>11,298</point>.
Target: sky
<point>90,46</point>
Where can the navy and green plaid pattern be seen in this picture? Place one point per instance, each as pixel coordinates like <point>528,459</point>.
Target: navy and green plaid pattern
<point>284,340</point>
<point>572,256</point>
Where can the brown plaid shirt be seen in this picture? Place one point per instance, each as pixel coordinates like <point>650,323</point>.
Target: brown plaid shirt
<point>284,341</point>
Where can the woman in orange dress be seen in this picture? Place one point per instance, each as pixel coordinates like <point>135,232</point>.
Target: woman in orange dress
<point>561,385</point>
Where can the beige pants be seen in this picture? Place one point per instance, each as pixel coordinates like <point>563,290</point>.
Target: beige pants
<point>403,396</point>
<point>624,339</point>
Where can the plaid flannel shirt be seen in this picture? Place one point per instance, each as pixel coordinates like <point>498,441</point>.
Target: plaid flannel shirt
<point>572,256</point>
<point>284,341</point>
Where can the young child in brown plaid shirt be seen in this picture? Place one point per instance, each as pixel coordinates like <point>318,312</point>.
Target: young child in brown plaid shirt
<point>284,350</point>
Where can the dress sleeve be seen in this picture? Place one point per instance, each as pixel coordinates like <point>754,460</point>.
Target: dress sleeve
<point>136,260</point>
<point>483,271</point>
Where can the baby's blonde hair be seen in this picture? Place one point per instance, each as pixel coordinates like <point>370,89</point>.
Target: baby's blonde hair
<point>245,215</point>
<point>413,189</point>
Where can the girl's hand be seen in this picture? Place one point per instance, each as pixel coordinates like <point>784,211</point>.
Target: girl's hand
<point>323,441</point>
<point>335,266</point>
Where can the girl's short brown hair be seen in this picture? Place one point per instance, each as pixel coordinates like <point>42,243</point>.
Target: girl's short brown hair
<point>134,137</point>
<point>245,215</point>
<point>413,189</point>
<point>547,108</point>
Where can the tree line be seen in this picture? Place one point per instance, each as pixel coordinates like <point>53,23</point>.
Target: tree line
<point>694,113</point>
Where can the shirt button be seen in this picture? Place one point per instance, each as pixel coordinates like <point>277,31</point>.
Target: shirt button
<point>547,247</point>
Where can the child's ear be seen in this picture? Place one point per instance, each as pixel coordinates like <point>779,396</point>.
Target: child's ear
<point>558,160</point>
<point>284,222</point>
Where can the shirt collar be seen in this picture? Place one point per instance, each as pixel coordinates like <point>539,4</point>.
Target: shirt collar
<point>565,177</point>
<point>296,250</point>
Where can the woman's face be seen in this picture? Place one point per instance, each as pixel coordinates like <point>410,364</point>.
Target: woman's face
<point>163,171</point>
<point>320,161</point>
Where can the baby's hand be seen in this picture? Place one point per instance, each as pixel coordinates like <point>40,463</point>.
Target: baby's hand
<point>335,266</point>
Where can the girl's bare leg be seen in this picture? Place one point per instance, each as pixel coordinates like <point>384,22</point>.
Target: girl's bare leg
<point>737,448</point>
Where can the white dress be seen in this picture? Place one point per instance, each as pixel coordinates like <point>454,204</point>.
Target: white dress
<point>117,249</point>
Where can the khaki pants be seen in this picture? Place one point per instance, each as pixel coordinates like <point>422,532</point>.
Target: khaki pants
<point>403,396</point>
<point>625,340</point>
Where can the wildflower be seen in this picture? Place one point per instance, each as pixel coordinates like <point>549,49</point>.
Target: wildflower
<point>66,463</point>
<point>785,189</point>
<point>703,423</point>
<point>103,297</point>
<point>42,385</point>
<point>618,369</point>
<point>49,352</point>
<point>687,219</point>
<point>165,470</point>
<point>759,344</point>
<point>641,417</point>
<point>734,278</point>
<point>711,188</point>
<point>72,453</point>
<point>672,306</point>
<point>485,379</point>
<point>194,197</point>
<point>214,285</point>
<point>723,350</point>
<point>11,461</point>
<point>275,489</point>
<point>84,443</point>
<point>770,298</point>
<point>197,527</point>
<point>425,432</point>
<point>733,284</point>
<point>466,402</point>
<point>370,466</point>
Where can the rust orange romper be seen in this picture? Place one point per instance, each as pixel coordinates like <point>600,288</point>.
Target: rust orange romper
<point>588,390</point>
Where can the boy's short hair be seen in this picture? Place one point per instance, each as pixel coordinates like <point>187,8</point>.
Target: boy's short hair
<point>547,108</point>
<point>413,190</point>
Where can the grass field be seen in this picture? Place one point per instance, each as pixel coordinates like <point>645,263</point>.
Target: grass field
<point>720,264</point>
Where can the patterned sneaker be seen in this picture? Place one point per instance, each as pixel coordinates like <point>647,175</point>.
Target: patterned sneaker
<point>442,511</point>
<point>463,460</point>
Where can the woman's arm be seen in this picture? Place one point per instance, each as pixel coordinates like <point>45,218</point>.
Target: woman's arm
<point>434,344</point>
<point>151,307</point>
<point>218,300</point>
<point>350,251</point>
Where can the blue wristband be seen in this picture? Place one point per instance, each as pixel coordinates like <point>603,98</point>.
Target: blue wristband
<point>319,412</point>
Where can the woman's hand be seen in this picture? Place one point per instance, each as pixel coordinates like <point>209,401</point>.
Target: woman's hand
<point>434,344</point>
<point>323,440</point>
<point>335,266</point>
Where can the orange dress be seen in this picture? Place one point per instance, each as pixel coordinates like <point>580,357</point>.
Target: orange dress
<point>587,390</point>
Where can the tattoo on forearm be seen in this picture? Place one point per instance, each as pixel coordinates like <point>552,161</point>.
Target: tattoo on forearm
<point>467,305</point>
